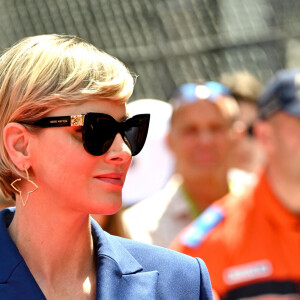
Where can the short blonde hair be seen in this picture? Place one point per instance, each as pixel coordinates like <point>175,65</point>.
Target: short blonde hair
<point>41,73</point>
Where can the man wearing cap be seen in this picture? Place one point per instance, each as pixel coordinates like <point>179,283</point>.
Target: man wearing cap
<point>202,136</point>
<point>251,244</point>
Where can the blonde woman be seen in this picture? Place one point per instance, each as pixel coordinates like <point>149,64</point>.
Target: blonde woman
<point>66,145</point>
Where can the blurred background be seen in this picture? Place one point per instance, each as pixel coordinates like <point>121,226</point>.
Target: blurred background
<point>168,42</point>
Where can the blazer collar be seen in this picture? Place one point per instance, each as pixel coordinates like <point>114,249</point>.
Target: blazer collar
<point>110,247</point>
<point>119,274</point>
<point>16,281</point>
<point>10,256</point>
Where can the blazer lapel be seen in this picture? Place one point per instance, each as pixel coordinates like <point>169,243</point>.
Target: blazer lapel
<point>16,281</point>
<point>119,275</point>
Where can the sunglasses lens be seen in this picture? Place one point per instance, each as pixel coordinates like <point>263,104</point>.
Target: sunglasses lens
<point>135,132</point>
<point>99,132</point>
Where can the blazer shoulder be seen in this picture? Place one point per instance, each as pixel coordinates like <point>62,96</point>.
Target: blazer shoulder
<point>143,251</point>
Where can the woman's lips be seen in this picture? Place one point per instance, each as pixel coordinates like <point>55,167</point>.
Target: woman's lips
<point>115,179</point>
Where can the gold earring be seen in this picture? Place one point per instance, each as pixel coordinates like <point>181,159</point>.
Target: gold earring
<point>20,192</point>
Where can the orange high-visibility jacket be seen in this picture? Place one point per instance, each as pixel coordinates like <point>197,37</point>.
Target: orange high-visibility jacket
<point>250,244</point>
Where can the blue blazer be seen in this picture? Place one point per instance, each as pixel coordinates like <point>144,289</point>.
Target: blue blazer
<point>126,270</point>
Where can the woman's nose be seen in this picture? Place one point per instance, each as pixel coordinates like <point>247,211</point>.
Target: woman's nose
<point>119,151</point>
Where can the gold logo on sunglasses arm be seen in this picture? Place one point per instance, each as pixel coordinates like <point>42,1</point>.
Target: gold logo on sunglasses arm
<point>77,120</point>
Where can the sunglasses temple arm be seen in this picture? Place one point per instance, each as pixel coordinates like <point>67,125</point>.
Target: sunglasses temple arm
<point>54,122</point>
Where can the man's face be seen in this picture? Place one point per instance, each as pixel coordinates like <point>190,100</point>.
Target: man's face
<point>201,139</point>
<point>284,144</point>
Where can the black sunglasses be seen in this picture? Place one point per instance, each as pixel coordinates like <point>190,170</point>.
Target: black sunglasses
<point>99,130</point>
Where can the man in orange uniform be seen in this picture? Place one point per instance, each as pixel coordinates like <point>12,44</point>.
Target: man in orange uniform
<point>251,244</point>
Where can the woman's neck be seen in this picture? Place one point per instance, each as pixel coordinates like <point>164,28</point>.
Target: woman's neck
<point>56,245</point>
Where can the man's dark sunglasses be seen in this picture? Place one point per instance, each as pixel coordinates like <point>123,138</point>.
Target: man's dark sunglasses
<point>99,130</point>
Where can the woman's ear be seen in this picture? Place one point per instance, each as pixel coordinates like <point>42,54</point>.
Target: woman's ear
<point>15,138</point>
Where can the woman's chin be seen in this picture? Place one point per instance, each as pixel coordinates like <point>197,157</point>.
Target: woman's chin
<point>109,208</point>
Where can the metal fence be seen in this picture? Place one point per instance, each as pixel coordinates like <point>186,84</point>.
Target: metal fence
<point>168,42</point>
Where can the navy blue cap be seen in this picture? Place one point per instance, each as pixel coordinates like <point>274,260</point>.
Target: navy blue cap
<point>281,93</point>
